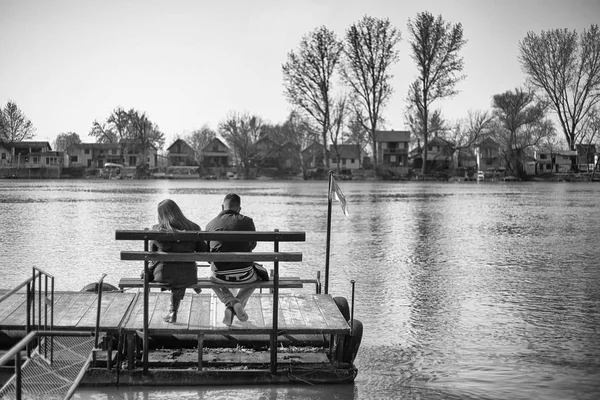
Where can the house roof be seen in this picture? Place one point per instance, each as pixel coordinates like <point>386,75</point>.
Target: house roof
<point>98,145</point>
<point>28,144</point>
<point>212,141</point>
<point>438,141</point>
<point>392,136</point>
<point>346,151</point>
<point>488,142</point>
<point>177,141</point>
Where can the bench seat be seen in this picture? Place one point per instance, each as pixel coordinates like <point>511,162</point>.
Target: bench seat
<point>206,283</point>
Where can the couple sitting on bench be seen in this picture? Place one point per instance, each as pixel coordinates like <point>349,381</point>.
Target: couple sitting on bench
<point>180,275</point>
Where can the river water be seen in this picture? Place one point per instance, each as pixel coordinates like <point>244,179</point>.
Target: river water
<point>466,290</point>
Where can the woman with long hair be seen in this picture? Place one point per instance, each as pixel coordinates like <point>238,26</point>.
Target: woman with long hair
<point>179,275</point>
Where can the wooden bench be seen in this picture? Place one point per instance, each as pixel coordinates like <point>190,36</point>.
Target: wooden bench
<point>204,282</point>
<point>274,257</point>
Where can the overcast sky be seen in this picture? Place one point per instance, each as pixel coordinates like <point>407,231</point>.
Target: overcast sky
<point>186,63</point>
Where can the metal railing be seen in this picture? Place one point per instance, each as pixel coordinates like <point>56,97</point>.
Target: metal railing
<point>38,329</point>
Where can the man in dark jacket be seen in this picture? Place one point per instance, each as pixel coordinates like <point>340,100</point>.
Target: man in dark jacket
<point>230,219</point>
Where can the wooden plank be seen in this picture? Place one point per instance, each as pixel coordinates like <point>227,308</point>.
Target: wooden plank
<point>266,301</point>
<point>291,312</point>
<point>160,310</point>
<point>255,312</point>
<point>200,312</point>
<point>136,318</point>
<point>17,318</point>
<point>10,305</point>
<point>62,307</point>
<point>89,319</point>
<point>115,314</point>
<point>77,310</point>
<point>211,257</point>
<point>183,314</point>
<point>291,282</point>
<point>235,236</point>
<point>329,310</point>
<point>311,312</point>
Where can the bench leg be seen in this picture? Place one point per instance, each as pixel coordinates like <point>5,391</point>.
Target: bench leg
<point>200,348</point>
<point>130,350</point>
<point>109,344</point>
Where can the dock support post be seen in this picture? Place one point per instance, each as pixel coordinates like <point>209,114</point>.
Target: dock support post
<point>275,310</point>
<point>146,296</point>
<point>200,347</point>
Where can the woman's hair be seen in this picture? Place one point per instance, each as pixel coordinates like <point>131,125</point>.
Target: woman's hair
<point>171,218</point>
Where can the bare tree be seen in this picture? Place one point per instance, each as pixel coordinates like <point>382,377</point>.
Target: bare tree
<point>103,132</point>
<point>198,140</point>
<point>521,126</point>
<point>435,46</point>
<point>467,132</point>
<point>307,77</point>
<point>66,141</point>
<point>370,51</point>
<point>145,133</point>
<point>297,131</point>
<point>565,66</point>
<point>14,124</point>
<point>120,122</point>
<point>242,131</point>
<point>358,136</point>
<point>436,125</point>
<point>339,116</point>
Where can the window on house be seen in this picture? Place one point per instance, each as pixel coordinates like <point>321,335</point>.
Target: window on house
<point>74,159</point>
<point>429,148</point>
<point>87,151</point>
<point>3,156</point>
<point>36,160</point>
<point>343,161</point>
<point>352,161</point>
<point>543,156</point>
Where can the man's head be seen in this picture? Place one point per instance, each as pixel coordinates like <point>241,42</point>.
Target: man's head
<point>232,202</point>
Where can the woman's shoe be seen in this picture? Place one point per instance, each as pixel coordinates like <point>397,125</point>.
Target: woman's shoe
<point>171,317</point>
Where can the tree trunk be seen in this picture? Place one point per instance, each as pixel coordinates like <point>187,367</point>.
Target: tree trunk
<point>374,148</point>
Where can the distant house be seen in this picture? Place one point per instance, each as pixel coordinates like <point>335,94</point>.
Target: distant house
<point>95,155</point>
<point>392,148</point>
<point>289,158</point>
<point>127,152</point>
<point>439,155</point>
<point>348,156</point>
<point>312,156</point>
<point>180,153</point>
<point>266,153</point>
<point>489,155</point>
<point>216,154</point>
<point>34,158</point>
<point>5,155</point>
<point>586,157</point>
<point>555,161</point>
<point>133,153</point>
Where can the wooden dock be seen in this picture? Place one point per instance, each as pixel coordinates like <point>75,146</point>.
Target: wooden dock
<point>198,313</point>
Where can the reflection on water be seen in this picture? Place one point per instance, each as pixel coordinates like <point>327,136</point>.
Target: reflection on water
<point>466,291</point>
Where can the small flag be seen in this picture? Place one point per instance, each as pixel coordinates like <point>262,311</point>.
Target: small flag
<point>335,193</point>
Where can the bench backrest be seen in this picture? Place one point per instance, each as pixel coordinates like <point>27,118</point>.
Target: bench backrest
<point>232,236</point>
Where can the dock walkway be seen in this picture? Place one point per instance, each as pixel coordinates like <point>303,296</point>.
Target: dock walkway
<point>198,313</point>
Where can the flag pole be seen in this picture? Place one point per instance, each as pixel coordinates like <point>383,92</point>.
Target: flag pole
<point>328,234</point>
